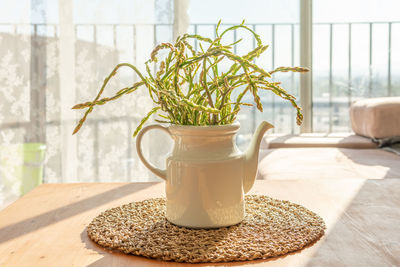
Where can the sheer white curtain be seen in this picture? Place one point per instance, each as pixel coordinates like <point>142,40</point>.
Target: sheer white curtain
<point>54,54</point>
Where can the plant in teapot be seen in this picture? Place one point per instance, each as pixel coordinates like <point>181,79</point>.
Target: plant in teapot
<point>190,88</point>
<point>207,175</point>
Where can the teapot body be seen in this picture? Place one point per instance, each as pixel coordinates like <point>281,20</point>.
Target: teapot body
<point>204,179</point>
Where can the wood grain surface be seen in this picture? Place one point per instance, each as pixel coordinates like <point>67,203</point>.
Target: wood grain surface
<point>47,226</point>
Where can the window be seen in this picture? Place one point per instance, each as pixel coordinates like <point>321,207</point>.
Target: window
<point>54,54</point>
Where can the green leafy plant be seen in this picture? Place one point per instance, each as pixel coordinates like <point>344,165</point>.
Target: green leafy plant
<point>190,88</point>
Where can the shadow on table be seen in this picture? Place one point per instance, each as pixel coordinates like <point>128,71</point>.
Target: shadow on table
<point>116,258</point>
<point>56,215</point>
<point>375,157</point>
<point>367,232</point>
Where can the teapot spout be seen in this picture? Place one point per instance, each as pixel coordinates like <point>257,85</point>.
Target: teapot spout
<point>251,156</point>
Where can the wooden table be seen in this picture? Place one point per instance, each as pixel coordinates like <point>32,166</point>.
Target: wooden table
<point>47,226</point>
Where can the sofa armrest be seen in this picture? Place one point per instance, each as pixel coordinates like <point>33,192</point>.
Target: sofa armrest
<point>376,117</point>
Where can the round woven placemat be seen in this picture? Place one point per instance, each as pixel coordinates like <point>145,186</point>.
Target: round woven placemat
<point>271,228</point>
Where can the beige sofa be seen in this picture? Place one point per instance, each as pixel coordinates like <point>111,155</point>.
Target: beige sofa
<point>337,155</point>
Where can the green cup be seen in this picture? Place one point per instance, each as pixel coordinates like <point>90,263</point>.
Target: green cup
<point>21,166</point>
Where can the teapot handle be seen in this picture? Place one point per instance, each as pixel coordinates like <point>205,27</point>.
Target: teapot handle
<point>151,167</point>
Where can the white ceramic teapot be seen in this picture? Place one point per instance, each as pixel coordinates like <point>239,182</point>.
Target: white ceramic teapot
<point>207,175</point>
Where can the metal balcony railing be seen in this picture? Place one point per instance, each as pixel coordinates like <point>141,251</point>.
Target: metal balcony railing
<point>328,110</point>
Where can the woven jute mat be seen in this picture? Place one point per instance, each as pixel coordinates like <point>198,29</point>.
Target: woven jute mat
<point>271,228</point>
